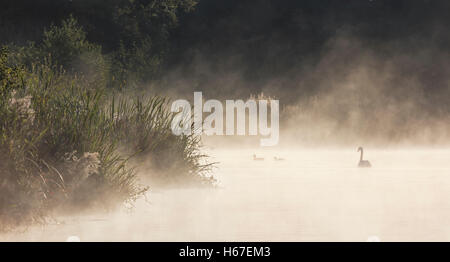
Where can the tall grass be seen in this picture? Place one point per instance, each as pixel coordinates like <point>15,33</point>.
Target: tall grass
<point>143,125</point>
<point>65,144</point>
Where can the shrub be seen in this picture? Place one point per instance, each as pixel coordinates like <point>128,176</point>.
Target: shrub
<point>143,125</point>
<point>55,146</point>
<point>65,145</point>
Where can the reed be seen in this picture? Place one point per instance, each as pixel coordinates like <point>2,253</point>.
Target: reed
<point>66,144</point>
<point>143,127</point>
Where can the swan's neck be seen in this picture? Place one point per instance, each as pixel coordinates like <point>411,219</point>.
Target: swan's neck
<point>362,153</point>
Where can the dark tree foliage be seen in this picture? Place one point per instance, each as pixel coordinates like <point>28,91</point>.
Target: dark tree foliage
<point>133,33</point>
<point>272,36</point>
<point>262,39</point>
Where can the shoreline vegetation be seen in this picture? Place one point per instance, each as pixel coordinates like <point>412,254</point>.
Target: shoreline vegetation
<point>71,135</point>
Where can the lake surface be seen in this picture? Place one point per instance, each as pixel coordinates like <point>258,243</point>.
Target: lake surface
<point>313,195</point>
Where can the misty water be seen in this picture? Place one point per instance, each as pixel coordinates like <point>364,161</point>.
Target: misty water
<point>313,195</point>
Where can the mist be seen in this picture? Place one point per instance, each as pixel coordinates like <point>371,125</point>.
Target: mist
<point>371,76</point>
<point>377,76</point>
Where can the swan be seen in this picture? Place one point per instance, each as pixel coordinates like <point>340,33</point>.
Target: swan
<point>278,158</point>
<point>257,158</point>
<point>363,163</point>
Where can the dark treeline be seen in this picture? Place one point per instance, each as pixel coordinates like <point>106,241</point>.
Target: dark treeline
<point>262,39</point>
<point>286,40</point>
<point>107,22</point>
<point>133,35</point>
<point>396,52</point>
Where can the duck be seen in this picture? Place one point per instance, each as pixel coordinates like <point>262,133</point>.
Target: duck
<point>363,163</point>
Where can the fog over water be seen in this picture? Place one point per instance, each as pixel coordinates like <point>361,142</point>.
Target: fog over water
<point>367,73</point>
<point>313,195</point>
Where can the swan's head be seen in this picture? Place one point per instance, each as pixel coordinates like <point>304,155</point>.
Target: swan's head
<point>360,149</point>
